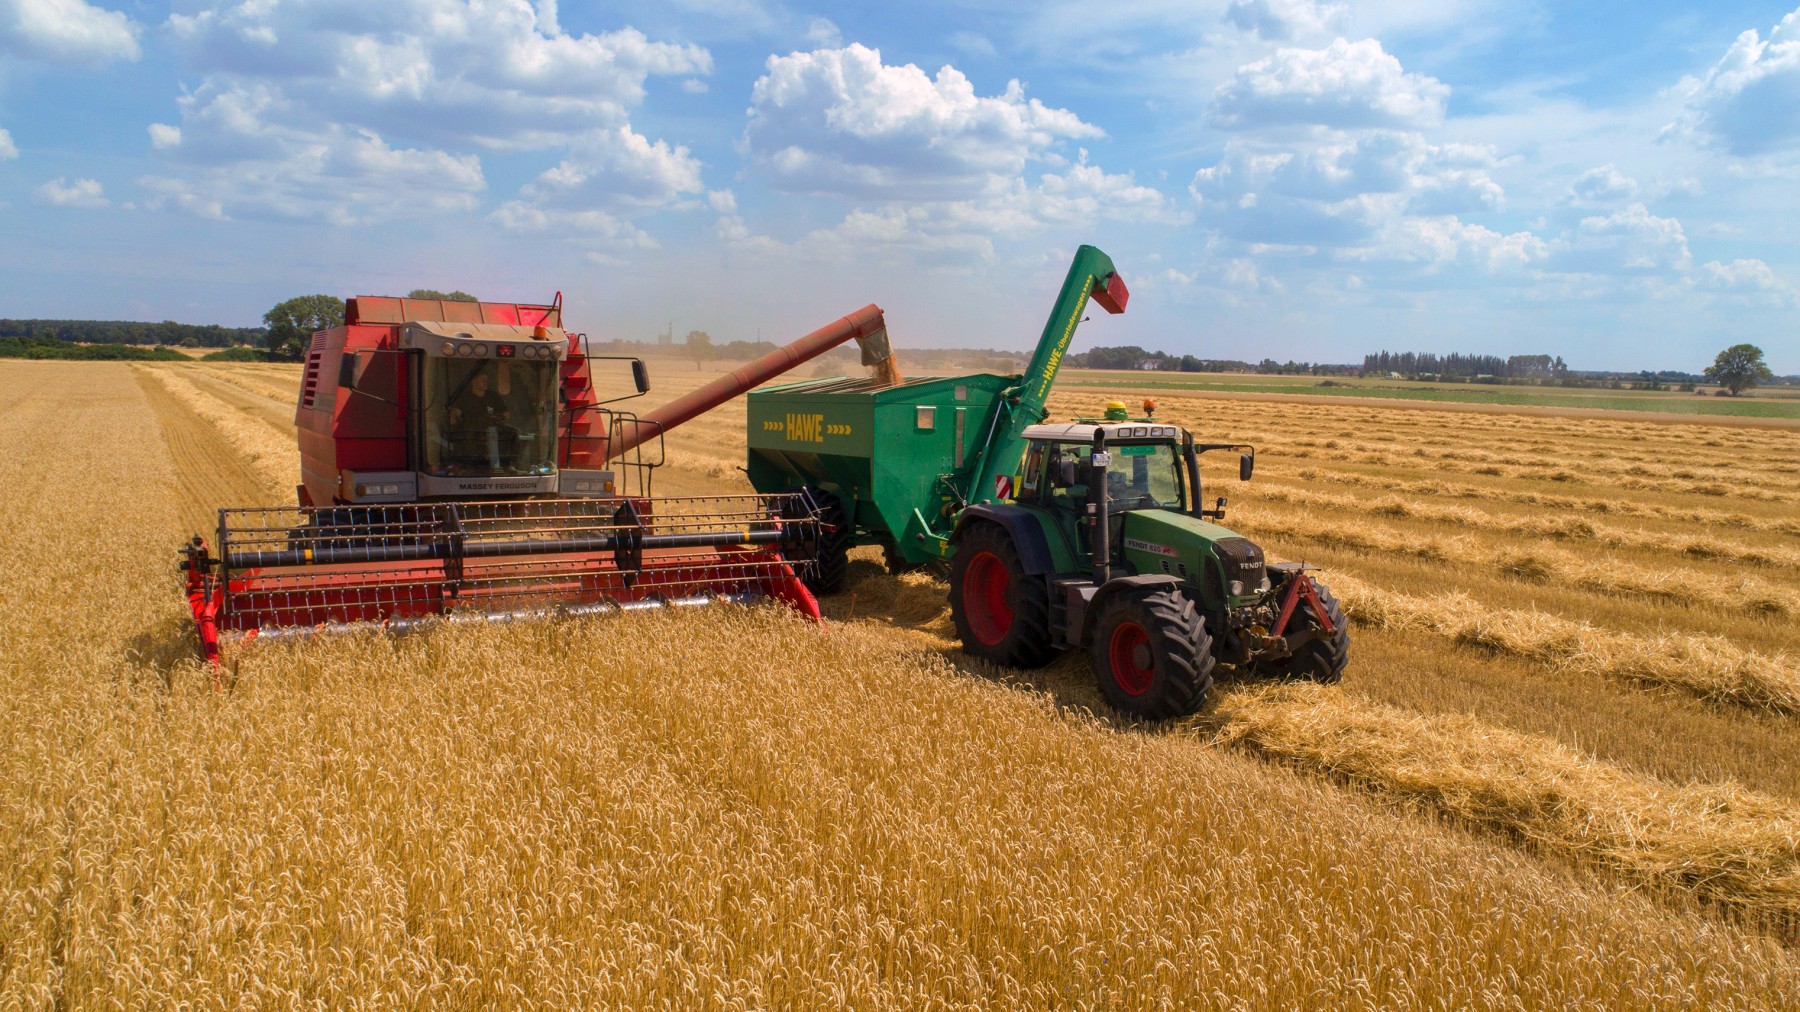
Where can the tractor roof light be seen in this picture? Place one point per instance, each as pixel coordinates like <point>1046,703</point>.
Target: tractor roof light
<point>449,347</point>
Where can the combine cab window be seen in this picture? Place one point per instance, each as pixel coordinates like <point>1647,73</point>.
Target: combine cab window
<point>1144,477</point>
<point>489,418</point>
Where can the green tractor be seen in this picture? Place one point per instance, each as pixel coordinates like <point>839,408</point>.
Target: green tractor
<point>1107,547</point>
<point>1099,541</point>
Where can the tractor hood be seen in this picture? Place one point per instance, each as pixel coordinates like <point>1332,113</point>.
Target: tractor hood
<point>1207,557</point>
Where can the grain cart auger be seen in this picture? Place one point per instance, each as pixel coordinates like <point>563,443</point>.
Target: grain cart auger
<point>458,464</point>
<point>1091,535</point>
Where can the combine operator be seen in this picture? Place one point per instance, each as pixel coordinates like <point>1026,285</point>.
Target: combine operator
<point>476,423</point>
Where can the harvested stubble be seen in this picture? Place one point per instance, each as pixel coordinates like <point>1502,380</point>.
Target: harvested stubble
<point>1564,526</point>
<point>1710,667</point>
<point>270,452</point>
<point>1587,504</point>
<point>1723,843</point>
<point>1536,565</point>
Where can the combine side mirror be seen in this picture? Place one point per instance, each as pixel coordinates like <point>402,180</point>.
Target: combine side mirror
<point>347,370</point>
<point>640,375</point>
<point>1246,464</point>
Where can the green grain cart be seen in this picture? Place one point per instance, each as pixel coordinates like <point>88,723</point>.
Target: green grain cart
<point>1091,534</point>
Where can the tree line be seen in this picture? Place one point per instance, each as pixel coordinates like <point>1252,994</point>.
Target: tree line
<point>167,333</point>
<point>50,348</point>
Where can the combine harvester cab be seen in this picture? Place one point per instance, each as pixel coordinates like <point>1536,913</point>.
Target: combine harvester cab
<point>459,464</point>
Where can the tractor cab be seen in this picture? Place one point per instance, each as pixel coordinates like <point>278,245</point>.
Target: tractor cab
<point>1144,471</point>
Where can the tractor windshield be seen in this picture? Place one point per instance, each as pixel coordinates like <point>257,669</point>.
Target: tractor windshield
<point>489,418</point>
<point>1144,476</point>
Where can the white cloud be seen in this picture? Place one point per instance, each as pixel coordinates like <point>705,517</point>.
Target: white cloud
<point>1345,85</point>
<point>518,216</point>
<point>1341,192</point>
<point>1603,185</point>
<point>617,168</point>
<point>7,148</point>
<point>299,94</point>
<point>973,44</point>
<point>83,193</point>
<point>1748,104</point>
<point>67,32</point>
<point>1283,20</point>
<point>839,120</point>
<point>438,71</point>
<point>822,33</point>
<point>1750,278</point>
<point>345,177</point>
<point>1631,241</point>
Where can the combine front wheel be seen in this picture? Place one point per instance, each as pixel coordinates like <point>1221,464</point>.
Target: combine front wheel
<point>1001,613</point>
<point>1152,655</point>
<point>1318,660</point>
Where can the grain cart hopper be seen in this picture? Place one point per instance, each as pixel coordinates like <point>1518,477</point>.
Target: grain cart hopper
<point>458,462</point>
<point>1092,534</point>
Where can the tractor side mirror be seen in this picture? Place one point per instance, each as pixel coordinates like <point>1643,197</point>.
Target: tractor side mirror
<point>1246,464</point>
<point>1066,472</point>
<point>640,375</point>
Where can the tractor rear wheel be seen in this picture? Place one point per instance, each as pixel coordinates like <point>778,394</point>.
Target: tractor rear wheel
<point>1001,613</point>
<point>1152,655</point>
<point>1320,660</point>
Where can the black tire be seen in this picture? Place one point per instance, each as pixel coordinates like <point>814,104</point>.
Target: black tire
<point>1001,613</point>
<point>1322,660</point>
<point>897,564</point>
<point>831,556</point>
<point>1152,655</point>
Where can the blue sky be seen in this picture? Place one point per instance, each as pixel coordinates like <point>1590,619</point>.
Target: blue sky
<point>1611,182</point>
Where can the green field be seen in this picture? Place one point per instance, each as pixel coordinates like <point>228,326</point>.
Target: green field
<point>1777,403</point>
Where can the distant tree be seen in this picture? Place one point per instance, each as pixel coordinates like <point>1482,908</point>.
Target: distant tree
<point>700,346</point>
<point>432,293</point>
<point>1738,368</point>
<point>292,323</point>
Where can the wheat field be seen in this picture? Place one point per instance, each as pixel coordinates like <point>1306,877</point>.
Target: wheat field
<point>1563,769</point>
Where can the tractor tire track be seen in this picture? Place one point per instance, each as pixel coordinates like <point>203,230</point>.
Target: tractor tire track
<point>209,473</point>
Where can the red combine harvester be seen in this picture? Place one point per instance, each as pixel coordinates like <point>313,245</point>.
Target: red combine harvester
<point>458,464</point>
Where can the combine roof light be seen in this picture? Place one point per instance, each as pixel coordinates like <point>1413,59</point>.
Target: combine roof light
<point>449,347</point>
<point>463,351</point>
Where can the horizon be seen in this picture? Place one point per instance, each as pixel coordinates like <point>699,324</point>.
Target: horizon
<point>1275,178</point>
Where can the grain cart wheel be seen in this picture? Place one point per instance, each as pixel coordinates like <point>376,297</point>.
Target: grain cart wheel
<point>1322,660</point>
<point>1001,613</point>
<point>1152,655</point>
<point>832,559</point>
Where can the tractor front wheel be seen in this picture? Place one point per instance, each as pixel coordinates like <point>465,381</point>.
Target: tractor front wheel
<point>1001,613</point>
<point>1152,655</point>
<point>1319,660</point>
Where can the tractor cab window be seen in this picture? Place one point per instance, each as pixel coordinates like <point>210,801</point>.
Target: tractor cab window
<point>484,417</point>
<point>1144,476</point>
<point>1057,461</point>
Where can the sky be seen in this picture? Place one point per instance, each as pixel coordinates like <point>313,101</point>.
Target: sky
<point>1613,183</point>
